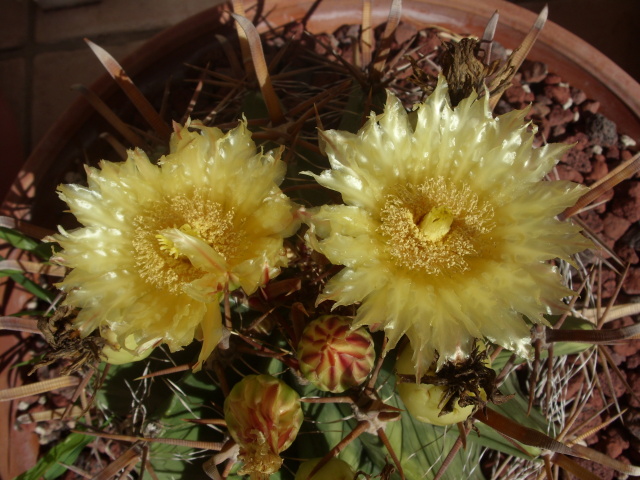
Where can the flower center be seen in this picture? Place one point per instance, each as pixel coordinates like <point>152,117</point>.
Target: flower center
<point>435,227</point>
<point>436,224</point>
<point>181,239</point>
<point>169,246</point>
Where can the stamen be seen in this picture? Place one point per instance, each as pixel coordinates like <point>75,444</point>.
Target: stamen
<point>167,246</point>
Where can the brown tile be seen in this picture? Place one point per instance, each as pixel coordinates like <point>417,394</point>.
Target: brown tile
<point>115,16</point>
<point>54,73</point>
<point>12,89</point>
<point>56,4</point>
<point>611,27</point>
<point>13,120</point>
<point>14,23</point>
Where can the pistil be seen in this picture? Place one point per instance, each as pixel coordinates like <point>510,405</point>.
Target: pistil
<point>436,224</point>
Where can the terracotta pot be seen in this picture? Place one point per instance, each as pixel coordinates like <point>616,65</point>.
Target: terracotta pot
<point>580,65</point>
<point>32,195</point>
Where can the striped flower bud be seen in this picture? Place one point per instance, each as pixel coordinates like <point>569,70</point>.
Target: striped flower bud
<point>263,415</point>
<point>334,469</point>
<point>332,356</point>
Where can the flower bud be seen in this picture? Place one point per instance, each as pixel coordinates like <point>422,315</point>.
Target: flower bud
<point>263,415</point>
<point>426,401</point>
<point>117,354</point>
<point>332,356</point>
<point>334,469</point>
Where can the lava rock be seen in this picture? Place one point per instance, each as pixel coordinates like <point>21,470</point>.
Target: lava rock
<point>631,285</point>
<point>599,168</point>
<point>533,72</point>
<point>601,130</point>
<point>627,202</point>
<point>578,159</point>
<point>558,93</point>
<point>592,220</point>
<point>614,226</point>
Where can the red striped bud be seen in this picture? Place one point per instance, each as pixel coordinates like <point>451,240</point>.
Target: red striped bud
<point>263,415</point>
<point>333,356</point>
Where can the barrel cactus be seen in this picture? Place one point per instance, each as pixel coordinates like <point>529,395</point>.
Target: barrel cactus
<point>314,275</point>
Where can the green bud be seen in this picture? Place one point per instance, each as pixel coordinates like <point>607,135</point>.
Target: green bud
<point>425,401</point>
<point>334,469</point>
<point>116,354</point>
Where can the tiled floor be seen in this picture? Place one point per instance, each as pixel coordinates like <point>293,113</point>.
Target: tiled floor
<point>42,52</point>
<point>609,25</point>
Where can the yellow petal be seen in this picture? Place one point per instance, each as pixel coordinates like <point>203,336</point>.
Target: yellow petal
<point>212,331</point>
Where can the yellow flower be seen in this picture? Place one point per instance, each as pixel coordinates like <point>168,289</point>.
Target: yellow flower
<point>447,226</point>
<point>161,243</point>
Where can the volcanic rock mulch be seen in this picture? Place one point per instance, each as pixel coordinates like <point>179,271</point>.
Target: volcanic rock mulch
<point>565,114</point>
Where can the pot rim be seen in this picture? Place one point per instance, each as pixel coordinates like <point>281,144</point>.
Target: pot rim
<point>579,63</point>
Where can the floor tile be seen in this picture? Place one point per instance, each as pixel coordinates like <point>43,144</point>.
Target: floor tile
<point>12,88</point>
<point>55,73</point>
<point>14,23</point>
<point>115,16</point>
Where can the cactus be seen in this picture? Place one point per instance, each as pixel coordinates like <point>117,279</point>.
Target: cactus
<point>248,301</point>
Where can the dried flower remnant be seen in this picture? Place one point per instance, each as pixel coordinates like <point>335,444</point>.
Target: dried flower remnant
<point>67,344</point>
<point>447,227</point>
<point>263,415</point>
<point>161,243</point>
<point>450,395</point>
<point>332,356</point>
<point>467,67</point>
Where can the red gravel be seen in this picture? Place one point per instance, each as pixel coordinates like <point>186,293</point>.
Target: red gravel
<point>565,114</point>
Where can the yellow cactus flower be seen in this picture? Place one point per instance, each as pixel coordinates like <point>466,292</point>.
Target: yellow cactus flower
<point>161,243</point>
<point>447,227</point>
